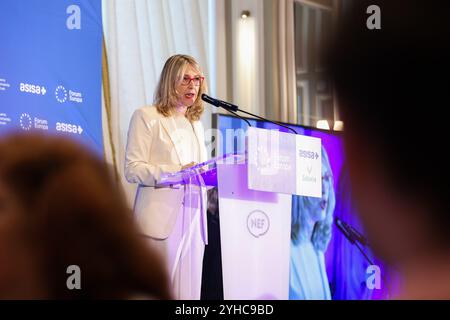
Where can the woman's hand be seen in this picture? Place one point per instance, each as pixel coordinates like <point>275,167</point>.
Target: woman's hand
<point>189,165</point>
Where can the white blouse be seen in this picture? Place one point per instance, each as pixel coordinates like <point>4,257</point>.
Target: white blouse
<point>189,145</point>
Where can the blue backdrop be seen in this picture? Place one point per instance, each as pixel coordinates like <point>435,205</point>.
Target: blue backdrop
<point>50,68</point>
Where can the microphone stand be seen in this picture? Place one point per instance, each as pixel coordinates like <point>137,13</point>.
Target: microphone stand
<point>234,108</point>
<point>264,119</point>
<point>351,238</point>
<point>356,243</point>
<point>242,118</point>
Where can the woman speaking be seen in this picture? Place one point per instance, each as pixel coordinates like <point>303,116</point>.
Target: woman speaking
<point>164,138</point>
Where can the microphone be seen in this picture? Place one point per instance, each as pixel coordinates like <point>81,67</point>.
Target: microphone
<point>344,230</point>
<point>355,238</point>
<point>219,103</point>
<point>350,232</point>
<point>232,108</point>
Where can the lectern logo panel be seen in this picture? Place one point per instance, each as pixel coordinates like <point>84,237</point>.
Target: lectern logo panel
<point>258,223</point>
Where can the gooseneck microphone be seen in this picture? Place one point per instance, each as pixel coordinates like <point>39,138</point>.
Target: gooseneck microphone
<point>356,238</point>
<point>344,230</point>
<point>350,232</point>
<point>232,108</point>
<point>219,103</point>
<point>353,236</point>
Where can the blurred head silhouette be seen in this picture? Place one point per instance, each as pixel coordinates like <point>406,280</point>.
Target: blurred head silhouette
<point>391,93</point>
<point>60,207</point>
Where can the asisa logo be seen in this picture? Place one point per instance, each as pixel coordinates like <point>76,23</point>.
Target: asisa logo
<point>32,88</point>
<point>69,128</point>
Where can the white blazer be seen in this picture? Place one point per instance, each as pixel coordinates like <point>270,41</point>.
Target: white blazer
<point>153,148</point>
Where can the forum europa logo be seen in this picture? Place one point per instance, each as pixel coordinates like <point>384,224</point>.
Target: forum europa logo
<point>61,94</point>
<point>25,121</point>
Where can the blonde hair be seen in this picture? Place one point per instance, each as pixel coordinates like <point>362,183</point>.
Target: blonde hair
<point>166,95</point>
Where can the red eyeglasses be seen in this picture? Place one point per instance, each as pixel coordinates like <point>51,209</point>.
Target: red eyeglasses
<point>197,80</point>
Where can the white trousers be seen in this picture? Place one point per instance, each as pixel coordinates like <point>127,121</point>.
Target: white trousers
<point>184,259</point>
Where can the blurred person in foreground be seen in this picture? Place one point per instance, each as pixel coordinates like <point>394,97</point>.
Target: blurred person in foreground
<point>59,207</point>
<point>392,84</point>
